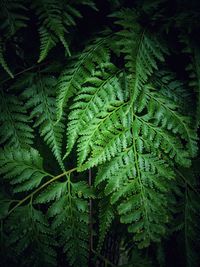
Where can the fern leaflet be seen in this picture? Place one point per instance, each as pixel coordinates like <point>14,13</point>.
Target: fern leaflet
<point>106,216</point>
<point>22,168</point>
<point>31,233</point>
<point>71,220</point>
<point>40,97</point>
<point>14,129</point>
<point>3,62</point>
<point>78,70</point>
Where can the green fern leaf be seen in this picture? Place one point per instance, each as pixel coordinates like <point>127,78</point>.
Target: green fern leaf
<point>52,192</point>
<point>128,118</point>
<point>171,119</point>
<point>41,99</point>
<point>14,129</point>
<point>89,3</point>
<point>13,17</point>
<point>132,136</point>
<point>3,62</point>
<point>71,221</point>
<point>21,225</point>
<point>47,43</point>
<point>167,83</point>
<point>22,167</point>
<point>141,50</point>
<point>82,190</point>
<point>55,19</point>
<point>106,216</point>
<point>78,70</point>
<point>137,184</point>
<point>88,104</point>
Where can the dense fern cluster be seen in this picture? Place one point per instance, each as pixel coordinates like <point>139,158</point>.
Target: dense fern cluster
<point>116,107</point>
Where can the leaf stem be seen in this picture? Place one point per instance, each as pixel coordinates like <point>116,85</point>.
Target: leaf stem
<point>39,188</point>
<point>23,71</point>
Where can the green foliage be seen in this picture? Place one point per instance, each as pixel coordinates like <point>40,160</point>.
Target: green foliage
<point>141,50</point>
<point>40,96</point>
<point>12,18</point>
<point>55,18</point>
<point>70,213</point>
<point>50,18</point>
<point>89,102</point>
<point>23,168</point>
<point>14,129</point>
<point>78,70</point>
<point>71,223</point>
<point>3,62</point>
<point>106,216</point>
<point>31,233</point>
<point>115,106</point>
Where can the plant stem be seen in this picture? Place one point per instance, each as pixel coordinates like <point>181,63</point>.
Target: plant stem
<point>23,71</point>
<point>39,188</point>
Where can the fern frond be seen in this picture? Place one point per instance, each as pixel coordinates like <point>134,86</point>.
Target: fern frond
<point>89,3</point>
<point>135,138</point>
<point>126,175</point>
<point>171,119</point>
<point>168,85</point>
<point>78,70</point>
<point>29,232</point>
<point>164,114</point>
<point>3,62</point>
<point>135,176</point>
<point>41,99</point>
<point>162,139</point>
<point>129,119</point>
<point>50,20</point>
<point>13,17</point>
<point>97,95</point>
<point>81,189</point>
<point>55,19</point>
<point>53,192</point>
<point>70,221</point>
<point>141,50</point>
<point>106,216</point>
<point>22,167</point>
<point>47,43</point>
<point>135,133</point>
<point>14,129</point>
